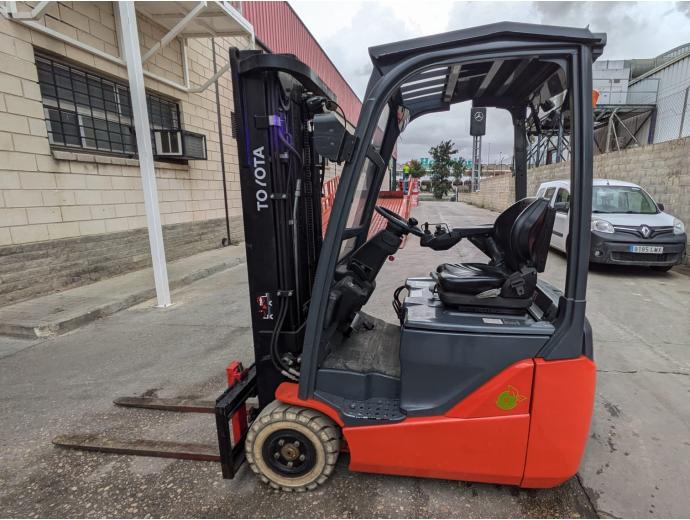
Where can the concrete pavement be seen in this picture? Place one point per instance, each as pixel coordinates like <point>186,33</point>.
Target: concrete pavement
<point>67,310</point>
<point>635,464</point>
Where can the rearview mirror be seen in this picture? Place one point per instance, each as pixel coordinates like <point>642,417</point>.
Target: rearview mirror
<point>562,207</point>
<point>660,206</point>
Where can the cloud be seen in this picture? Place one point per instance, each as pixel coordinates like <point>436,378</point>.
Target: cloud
<point>431,129</point>
<point>683,7</point>
<point>346,29</point>
<point>351,28</point>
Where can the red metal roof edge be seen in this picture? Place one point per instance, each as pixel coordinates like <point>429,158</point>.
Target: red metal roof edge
<point>265,17</point>
<point>337,70</point>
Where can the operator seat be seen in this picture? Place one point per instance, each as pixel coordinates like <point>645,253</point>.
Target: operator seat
<point>518,245</point>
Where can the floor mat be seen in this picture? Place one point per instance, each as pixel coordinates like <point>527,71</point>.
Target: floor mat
<point>375,350</point>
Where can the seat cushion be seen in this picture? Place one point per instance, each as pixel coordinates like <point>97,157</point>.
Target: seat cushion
<point>469,278</point>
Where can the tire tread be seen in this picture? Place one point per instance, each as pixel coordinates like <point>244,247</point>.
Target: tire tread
<point>323,428</point>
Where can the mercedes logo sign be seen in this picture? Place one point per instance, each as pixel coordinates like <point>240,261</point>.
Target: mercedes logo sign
<point>477,121</point>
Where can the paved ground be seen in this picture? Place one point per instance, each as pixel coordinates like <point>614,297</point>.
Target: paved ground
<point>635,465</point>
<point>64,311</point>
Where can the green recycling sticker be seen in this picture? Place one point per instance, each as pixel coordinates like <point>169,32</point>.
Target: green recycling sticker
<point>509,398</point>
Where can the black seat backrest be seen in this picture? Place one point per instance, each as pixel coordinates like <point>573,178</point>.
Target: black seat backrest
<point>523,232</point>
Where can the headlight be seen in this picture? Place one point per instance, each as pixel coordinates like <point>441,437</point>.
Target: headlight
<point>603,226</point>
<point>678,227</point>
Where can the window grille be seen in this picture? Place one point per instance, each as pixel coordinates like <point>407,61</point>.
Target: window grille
<point>91,112</point>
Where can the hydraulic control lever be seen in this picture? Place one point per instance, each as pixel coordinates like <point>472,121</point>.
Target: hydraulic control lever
<point>444,238</point>
<point>441,239</point>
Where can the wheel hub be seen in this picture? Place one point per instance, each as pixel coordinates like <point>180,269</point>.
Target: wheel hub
<point>289,453</point>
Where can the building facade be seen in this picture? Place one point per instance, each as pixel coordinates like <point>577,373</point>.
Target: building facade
<point>71,202</point>
<point>642,101</point>
<point>672,81</point>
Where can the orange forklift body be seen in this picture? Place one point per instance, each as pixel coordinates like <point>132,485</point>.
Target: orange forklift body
<point>526,426</point>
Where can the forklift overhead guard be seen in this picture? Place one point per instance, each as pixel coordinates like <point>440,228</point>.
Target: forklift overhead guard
<point>485,371</point>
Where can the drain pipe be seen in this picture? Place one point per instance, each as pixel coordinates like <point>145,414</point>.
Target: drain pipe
<point>226,240</point>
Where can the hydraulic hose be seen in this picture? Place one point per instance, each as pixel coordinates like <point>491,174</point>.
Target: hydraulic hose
<point>295,238</point>
<point>288,372</point>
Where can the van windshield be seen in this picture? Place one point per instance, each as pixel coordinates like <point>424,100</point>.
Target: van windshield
<point>622,199</point>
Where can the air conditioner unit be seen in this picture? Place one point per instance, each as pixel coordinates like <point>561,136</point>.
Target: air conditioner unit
<point>179,144</point>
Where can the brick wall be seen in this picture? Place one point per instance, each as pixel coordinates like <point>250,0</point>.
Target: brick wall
<point>48,195</point>
<point>662,169</point>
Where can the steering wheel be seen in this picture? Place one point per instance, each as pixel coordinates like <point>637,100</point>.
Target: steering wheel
<point>399,223</point>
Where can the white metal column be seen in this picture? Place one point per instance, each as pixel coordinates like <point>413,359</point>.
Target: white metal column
<point>131,53</point>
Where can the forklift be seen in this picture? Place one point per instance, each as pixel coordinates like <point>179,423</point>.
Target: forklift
<point>485,372</point>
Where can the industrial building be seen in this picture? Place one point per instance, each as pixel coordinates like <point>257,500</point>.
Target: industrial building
<point>81,198</point>
<point>641,101</point>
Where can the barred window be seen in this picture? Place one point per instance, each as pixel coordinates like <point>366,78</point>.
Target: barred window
<point>88,111</point>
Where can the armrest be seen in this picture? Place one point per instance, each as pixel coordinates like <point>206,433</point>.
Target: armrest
<point>440,241</point>
<point>486,229</point>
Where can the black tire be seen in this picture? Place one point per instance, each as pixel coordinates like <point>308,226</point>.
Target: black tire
<point>661,268</point>
<point>292,448</point>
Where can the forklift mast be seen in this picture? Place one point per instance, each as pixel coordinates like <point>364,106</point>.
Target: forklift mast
<point>281,176</point>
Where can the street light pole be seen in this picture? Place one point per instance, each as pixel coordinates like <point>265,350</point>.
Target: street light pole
<point>488,156</point>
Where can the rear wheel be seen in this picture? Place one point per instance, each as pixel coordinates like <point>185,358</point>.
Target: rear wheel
<point>292,448</point>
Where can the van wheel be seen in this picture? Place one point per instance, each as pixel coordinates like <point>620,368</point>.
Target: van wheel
<point>292,448</point>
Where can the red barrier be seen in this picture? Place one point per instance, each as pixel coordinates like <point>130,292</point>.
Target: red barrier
<point>414,192</point>
<point>330,188</point>
<point>395,201</point>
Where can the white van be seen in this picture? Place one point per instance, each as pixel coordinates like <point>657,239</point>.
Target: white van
<point>628,226</point>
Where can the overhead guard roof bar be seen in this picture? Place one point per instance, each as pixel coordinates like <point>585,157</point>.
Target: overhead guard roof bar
<point>383,56</point>
<point>503,82</point>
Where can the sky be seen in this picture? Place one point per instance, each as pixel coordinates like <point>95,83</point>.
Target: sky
<point>345,29</point>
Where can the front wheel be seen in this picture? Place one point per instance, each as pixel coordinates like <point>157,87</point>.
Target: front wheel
<point>292,448</point>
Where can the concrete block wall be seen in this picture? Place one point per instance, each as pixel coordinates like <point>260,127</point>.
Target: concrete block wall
<point>77,197</point>
<point>32,269</point>
<point>51,195</point>
<point>662,169</point>
<point>496,193</point>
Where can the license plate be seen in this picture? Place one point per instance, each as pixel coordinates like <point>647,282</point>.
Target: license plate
<point>646,249</point>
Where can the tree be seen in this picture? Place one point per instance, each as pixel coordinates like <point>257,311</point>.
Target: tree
<point>416,169</point>
<point>441,168</point>
<point>459,169</point>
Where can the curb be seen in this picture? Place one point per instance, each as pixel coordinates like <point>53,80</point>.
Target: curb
<point>56,328</point>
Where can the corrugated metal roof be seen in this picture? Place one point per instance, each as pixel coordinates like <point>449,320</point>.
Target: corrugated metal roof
<point>664,65</point>
<point>280,30</point>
